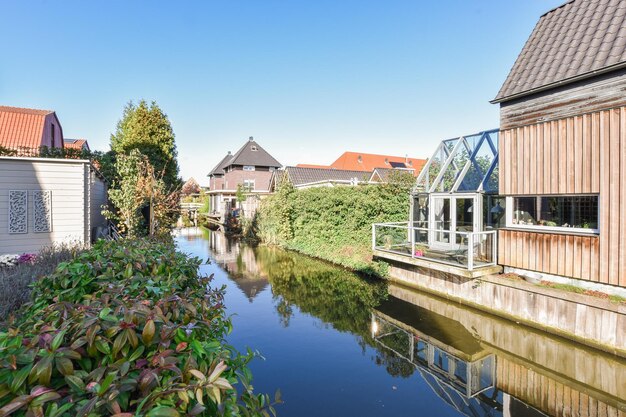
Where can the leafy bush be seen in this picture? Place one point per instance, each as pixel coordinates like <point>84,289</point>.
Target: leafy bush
<point>15,281</point>
<point>333,223</point>
<point>127,328</point>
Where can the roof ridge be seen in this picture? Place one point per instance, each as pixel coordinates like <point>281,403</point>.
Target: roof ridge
<point>27,110</point>
<point>325,169</point>
<point>557,7</point>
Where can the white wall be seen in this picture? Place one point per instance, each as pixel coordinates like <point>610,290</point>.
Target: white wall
<point>66,180</point>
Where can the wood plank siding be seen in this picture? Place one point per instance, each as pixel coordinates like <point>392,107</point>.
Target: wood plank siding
<point>602,92</point>
<point>581,154</point>
<point>67,183</point>
<point>551,395</point>
<point>550,253</point>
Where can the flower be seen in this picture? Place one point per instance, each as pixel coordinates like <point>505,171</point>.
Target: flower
<point>189,328</point>
<point>26,258</point>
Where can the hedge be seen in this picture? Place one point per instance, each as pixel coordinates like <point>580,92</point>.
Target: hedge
<point>333,223</point>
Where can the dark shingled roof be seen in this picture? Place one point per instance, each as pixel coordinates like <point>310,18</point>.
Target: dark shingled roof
<point>219,168</point>
<point>246,156</point>
<point>302,176</point>
<point>253,154</point>
<point>576,40</point>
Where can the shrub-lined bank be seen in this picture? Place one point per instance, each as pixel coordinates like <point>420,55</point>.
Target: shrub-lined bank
<point>335,223</point>
<point>126,328</point>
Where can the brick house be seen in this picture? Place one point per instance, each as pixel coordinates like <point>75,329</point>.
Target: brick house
<point>249,169</point>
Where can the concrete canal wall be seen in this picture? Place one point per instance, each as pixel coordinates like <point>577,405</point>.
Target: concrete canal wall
<point>590,320</point>
<point>547,372</point>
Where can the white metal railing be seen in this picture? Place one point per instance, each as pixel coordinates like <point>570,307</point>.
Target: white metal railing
<point>466,249</point>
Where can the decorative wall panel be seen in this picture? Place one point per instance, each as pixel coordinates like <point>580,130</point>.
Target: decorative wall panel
<point>42,211</point>
<point>18,209</point>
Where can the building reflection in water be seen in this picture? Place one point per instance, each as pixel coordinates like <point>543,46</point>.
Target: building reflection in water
<point>458,369</point>
<point>497,369</point>
<point>240,262</point>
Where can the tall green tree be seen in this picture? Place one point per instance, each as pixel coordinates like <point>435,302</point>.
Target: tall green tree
<point>146,127</point>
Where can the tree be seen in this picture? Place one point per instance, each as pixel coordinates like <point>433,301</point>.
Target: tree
<point>137,188</point>
<point>146,127</point>
<point>190,187</point>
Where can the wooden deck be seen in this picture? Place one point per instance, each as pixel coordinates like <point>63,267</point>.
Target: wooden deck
<point>438,265</point>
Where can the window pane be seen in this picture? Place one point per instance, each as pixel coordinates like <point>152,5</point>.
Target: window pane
<point>525,210</point>
<point>579,212</point>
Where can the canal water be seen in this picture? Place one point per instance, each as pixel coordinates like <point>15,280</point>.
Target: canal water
<point>337,344</point>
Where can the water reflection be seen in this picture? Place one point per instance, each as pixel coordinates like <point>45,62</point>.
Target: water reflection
<point>447,357</point>
<point>474,363</point>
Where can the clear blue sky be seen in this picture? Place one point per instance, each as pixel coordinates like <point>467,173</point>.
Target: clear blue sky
<point>308,79</point>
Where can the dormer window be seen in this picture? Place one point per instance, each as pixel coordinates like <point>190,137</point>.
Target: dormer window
<point>254,148</point>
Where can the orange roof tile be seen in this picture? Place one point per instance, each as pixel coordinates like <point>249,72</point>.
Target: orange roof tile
<point>75,143</point>
<point>21,128</point>
<point>357,161</point>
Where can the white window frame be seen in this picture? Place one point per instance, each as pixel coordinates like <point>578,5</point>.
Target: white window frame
<point>249,168</point>
<point>247,187</point>
<point>510,208</point>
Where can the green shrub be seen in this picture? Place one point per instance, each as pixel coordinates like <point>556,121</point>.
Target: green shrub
<point>127,328</point>
<point>333,223</point>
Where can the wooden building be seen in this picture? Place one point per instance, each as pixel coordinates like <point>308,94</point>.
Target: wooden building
<point>563,146</point>
<point>49,201</point>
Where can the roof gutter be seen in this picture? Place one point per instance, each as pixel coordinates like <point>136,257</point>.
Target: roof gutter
<point>570,80</point>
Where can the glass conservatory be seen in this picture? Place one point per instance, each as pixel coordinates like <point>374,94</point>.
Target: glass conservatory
<point>455,208</point>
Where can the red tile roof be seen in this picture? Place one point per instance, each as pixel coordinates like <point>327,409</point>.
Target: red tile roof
<point>22,128</point>
<point>75,144</point>
<point>357,161</point>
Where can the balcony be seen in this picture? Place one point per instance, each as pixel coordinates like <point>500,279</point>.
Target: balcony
<point>459,252</point>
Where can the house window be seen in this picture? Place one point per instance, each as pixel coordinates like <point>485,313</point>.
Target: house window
<point>248,185</point>
<point>52,134</point>
<point>248,167</point>
<point>575,213</point>
<point>254,148</point>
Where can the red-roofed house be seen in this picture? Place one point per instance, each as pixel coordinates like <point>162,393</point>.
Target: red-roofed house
<point>357,161</point>
<point>78,144</point>
<point>29,129</point>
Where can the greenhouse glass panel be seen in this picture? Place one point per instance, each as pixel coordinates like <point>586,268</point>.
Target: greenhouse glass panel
<point>464,164</point>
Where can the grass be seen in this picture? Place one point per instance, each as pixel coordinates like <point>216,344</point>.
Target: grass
<point>15,281</point>
<point>579,290</point>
